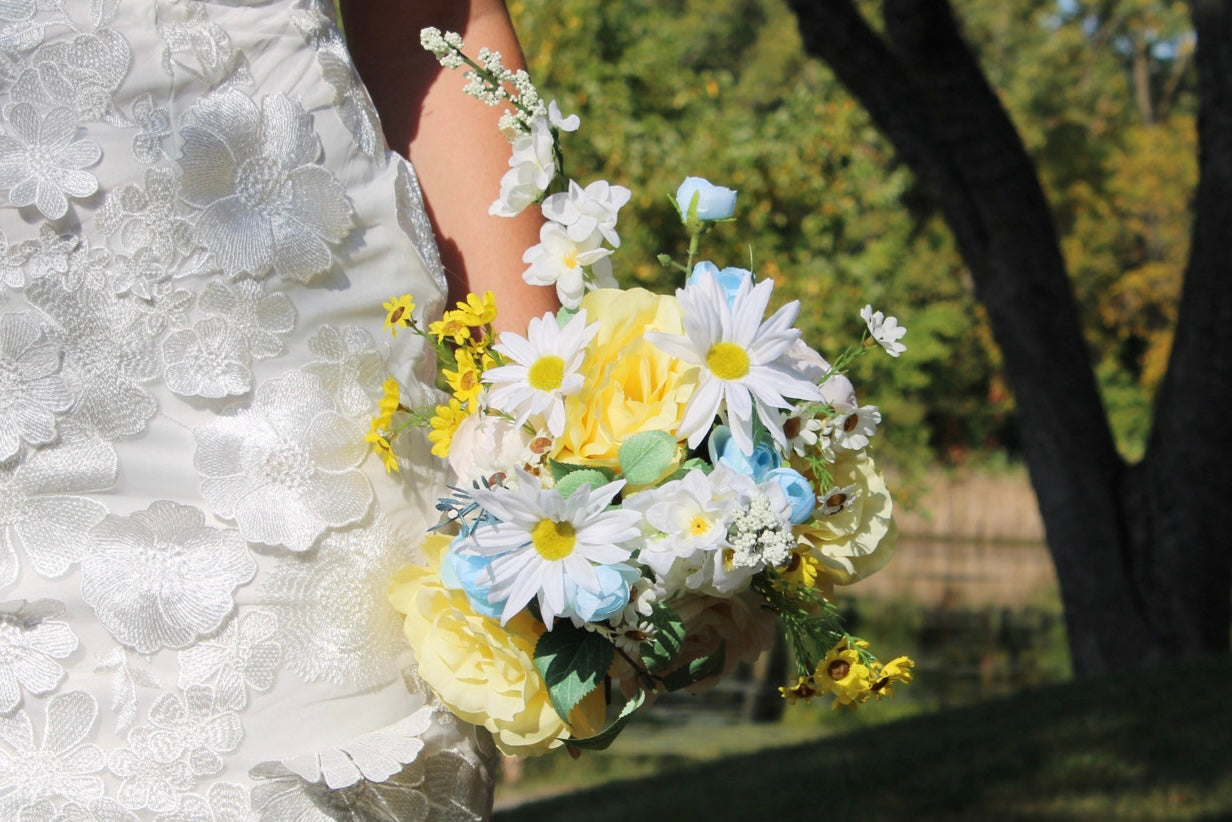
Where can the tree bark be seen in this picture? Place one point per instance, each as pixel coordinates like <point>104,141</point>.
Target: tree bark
<point>925,91</point>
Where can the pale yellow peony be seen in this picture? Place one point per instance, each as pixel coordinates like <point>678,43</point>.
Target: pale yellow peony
<point>631,385</point>
<point>484,673</point>
<point>857,541</point>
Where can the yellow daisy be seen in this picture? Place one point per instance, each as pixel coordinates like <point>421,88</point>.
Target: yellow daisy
<point>465,380</point>
<point>479,311</point>
<point>444,423</point>
<point>398,313</point>
<point>391,399</point>
<point>898,669</point>
<point>452,325</point>
<point>383,449</point>
<point>843,674</point>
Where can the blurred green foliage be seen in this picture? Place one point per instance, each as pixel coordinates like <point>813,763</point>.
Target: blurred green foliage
<point>1102,93</point>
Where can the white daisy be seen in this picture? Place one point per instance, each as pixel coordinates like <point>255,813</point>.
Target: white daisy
<point>803,428</point>
<point>744,362</point>
<point>543,370</point>
<point>541,539</point>
<point>852,428</point>
<point>885,330</point>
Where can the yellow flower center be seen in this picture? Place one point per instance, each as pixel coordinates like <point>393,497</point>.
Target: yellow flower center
<point>570,260</point>
<point>547,373</point>
<point>699,525</point>
<point>553,540</point>
<point>727,361</point>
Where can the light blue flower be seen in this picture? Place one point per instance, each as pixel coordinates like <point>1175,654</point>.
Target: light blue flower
<point>758,465</point>
<point>729,279</point>
<point>468,573</point>
<point>713,202</point>
<point>800,494</point>
<point>615,587</point>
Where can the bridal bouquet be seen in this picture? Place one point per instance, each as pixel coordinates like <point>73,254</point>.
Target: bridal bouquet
<point>646,485</point>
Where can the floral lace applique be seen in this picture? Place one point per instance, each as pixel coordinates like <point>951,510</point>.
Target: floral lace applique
<point>241,658</point>
<point>162,578</point>
<point>348,366</point>
<point>83,74</point>
<point>286,468</point>
<point>149,781</point>
<point>207,360</point>
<point>198,46</point>
<point>100,810</point>
<point>153,127</point>
<point>152,219</point>
<point>31,640</point>
<point>41,511</point>
<point>32,260</point>
<point>33,395</point>
<point>62,765</point>
<point>42,163</point>
<point>193,726</point>
<point>265,202</point>
<point>124,682</point>
<point>375,756</point>
<point>110,355</point>
<point>351,99</point>
<point>444,786</point>
<point>258,319</point>
<point>334,620</point>
<point>225,802</point>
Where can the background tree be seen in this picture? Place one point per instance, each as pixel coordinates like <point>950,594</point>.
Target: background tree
<point>1145,572</point>
<point>1105,95</point>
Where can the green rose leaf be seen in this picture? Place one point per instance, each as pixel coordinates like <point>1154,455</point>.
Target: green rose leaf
<point>572,662</point>
<point>601,740</point>
<point>576,479</point>
<point>646,456</point>
<point>696,671</point>
<point>662,650</point>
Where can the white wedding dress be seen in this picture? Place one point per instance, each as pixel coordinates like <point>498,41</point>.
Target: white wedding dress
<point>200,224</point>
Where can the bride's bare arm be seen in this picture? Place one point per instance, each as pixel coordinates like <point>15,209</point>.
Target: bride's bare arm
<point>451,139</point>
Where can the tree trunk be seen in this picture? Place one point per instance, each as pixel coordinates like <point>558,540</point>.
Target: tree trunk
<point>1137,551</point>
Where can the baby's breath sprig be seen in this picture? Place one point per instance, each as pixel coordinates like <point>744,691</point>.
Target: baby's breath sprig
<point>488,80</point>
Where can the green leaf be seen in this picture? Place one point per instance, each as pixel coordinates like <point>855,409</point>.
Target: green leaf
<point>574,480</point>
<point>662,650</point>
<point>601,740</point>
<point>562,469</point>
<point>697,670</point>
<point>564,315</point>
<point>690,465</point>
<point>572,662</point>
<point>646,456</point>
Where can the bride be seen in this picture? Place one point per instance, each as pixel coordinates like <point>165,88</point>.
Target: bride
<point>201,218</point>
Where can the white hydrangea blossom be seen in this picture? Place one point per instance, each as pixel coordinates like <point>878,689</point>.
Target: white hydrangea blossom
<point>531,169</point>
<point>560,261</point>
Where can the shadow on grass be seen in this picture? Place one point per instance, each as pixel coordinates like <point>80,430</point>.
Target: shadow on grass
<point>1149,746</point>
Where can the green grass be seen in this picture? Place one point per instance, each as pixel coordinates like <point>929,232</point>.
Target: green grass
<point>1153,746</point>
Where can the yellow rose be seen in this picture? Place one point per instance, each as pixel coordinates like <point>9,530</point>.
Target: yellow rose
<point>484,673</point>
<point>859,540</point>
<point>631,385</point>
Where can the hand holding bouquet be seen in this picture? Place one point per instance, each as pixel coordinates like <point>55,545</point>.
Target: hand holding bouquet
<point>645,483</point>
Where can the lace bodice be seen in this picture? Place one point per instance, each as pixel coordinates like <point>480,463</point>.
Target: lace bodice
<point>200,222</point>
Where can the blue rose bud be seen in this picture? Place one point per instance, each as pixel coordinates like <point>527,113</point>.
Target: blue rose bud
<point>758,465</point>
<point>615,587</point>
<point>468,573</point>
<point>729,279</point>
<point>800,494</point>
<point>713,202</point>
